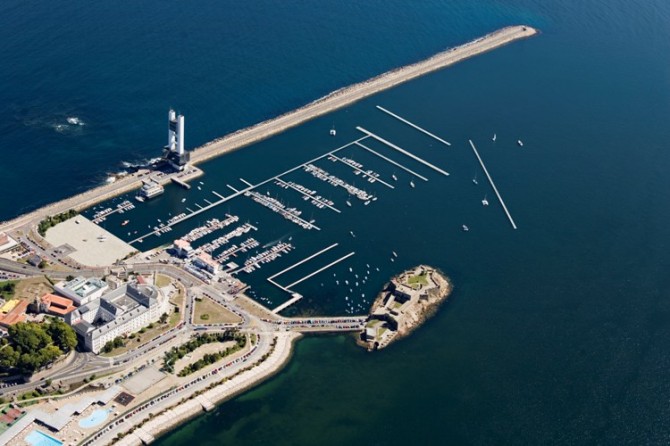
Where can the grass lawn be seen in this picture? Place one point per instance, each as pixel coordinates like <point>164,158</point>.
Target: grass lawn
<point>416,281</point>
<point>7,294</point>
<point>215,313</point>
<point>162,280</point>
<point>29,288</point>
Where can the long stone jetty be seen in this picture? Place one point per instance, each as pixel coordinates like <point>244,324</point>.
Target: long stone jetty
<point>263,130</point>
<point>348,95</point>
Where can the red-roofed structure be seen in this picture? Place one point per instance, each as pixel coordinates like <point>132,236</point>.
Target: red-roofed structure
<point>16,315</point>
<point>52,304</point>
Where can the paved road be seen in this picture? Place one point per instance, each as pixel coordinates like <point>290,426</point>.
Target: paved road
<point>155,405</point>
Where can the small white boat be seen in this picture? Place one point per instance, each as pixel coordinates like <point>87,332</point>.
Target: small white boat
<point>395,178</point>
<point>494,138</point>
<point>394,254</point>
<point>348,203</point>
<point>353,235</point>
<point>519,142</point>
<point>367,202</point>
<point>474,180</point>
<point>465,228</point>
<point>333,132</point>
<point>411,183</point>
<point>485,202</point>
<point>183,200</point>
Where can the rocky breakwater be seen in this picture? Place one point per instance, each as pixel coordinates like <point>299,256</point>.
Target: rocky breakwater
<point>406,302</point>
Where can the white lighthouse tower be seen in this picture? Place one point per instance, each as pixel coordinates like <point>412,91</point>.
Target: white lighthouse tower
<point>174,151</point>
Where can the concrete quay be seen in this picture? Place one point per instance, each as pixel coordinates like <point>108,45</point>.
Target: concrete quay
<point>263,130</point>
<point>146,427</point>
<point>96,195</point>
<point>348,95</point>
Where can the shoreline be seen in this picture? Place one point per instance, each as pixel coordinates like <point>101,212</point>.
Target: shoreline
<point>410,319</point>
<point>276,369</point>
<point>191,407</point>
<point>266,129</point>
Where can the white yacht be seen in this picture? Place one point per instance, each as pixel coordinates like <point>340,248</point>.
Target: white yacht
<point>494,138</point>
<point>519,142</point>
<point>333,132</point>
<point>395,178</point>
<point>485,202</point>
<point>474,180</point>
<point>411,183</point>
<point>465,228</point>
<point>348,203</point>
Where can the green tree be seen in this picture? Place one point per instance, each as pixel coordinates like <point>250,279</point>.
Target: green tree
<point>29,336</point>
<point>62,334</point>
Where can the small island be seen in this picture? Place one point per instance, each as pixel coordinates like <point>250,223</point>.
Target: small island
<point>406,302</point>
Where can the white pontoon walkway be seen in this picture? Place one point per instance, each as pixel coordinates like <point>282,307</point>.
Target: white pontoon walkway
<point>362,146</point>
<point>413,125</point>
<point>403,151</point>
<point>365,174</point>
<point>495,189</point>
<point>242,191</point>
<point>306,194</point>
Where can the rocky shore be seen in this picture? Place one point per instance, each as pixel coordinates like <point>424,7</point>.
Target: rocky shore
<point>406,302</point>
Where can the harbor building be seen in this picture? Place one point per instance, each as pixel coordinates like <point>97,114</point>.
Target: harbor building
<point>82,290</point>
<point>183,249</point>
<point>205,261</point>
<point>174,150</point>
<point>117,313</point>
<point>149,190</point>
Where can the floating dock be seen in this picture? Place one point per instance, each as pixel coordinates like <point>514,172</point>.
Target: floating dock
<point>495,189</point>
<point>403,151</point>
<point>363,146</point>
<point>181,183</point>
<point>414,126</point>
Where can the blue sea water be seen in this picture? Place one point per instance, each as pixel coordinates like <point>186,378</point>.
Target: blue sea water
<point>556,333</point>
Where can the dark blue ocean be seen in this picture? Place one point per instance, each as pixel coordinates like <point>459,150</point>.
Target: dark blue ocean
<point>556,333</point>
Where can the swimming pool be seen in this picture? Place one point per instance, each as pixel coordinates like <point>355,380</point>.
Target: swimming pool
<point>97,417</point>
<point>37,438</point>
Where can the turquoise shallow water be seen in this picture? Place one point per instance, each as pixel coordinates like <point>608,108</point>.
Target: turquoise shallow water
<point>556,333</point>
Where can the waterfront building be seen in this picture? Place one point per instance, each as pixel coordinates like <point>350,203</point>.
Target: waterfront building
<point>174,150</point>
<point>206,262</point>
<point>149,189</point>
<point>183,249</point>
<point>117,313</point>
<point>82,290</point>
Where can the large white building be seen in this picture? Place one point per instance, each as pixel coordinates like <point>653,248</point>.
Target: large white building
<point>82,290</point>
<point>120,312</point>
